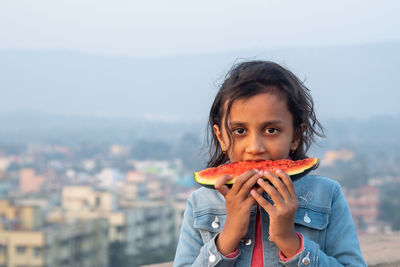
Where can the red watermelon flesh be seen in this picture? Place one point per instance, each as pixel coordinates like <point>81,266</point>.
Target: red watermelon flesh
<point>295,169</point>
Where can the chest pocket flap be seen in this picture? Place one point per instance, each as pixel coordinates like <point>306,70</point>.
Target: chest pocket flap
<point>210,221</point>
<point>312,218</point>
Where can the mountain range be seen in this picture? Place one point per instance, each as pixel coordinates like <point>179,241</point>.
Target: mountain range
<point>346,81</point>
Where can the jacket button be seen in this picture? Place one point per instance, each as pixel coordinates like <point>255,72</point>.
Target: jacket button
<point>215,223</point>
<point>212,258</point>
<point>247,241</point>
<point>306,218</point>
<point>306,260</point>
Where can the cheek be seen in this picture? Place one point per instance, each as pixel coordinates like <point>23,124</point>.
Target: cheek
<point>236,150</point>
<point>282,148</point>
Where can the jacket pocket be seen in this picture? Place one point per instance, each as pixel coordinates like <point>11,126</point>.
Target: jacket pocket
<point>312,223</point>
<point>209,223</point>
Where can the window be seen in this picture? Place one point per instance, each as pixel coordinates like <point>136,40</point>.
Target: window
<point>120,229</point>
<point>21,249</point>
<point>64,242</point>
<point>98,201</point>
<point>37,251</point>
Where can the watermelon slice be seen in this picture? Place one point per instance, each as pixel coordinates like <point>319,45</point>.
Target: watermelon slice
<point>295,169</point>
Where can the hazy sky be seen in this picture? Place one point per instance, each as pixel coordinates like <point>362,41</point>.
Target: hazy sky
<point>201,39</point>
<point>153,28</point>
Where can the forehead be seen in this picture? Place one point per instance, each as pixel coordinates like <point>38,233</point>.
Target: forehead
<point>261,107</point>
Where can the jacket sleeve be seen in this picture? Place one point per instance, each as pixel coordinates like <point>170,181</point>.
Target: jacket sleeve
<point>342,247</point>
<point>191,250</point>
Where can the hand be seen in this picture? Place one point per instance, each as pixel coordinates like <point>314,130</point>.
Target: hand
<point>282,212</point>
<point>238,204</point>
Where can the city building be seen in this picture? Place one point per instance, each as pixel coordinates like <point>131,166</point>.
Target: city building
<point>364,207</point>
<point>108,177</point>
<point>26,240</point>
<point>19,217</point>
<point>331,156</point>
<point>140,227</point>
<point>157,227</point>
<point>29,182</point>
<point>134,187</point>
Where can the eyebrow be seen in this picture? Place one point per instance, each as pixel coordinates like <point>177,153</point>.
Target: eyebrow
<point>266,123</point>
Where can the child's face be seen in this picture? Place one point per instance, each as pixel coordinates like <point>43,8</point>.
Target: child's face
<point>261,127</point>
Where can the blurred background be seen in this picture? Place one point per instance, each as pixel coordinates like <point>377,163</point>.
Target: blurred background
<point>104,105</point>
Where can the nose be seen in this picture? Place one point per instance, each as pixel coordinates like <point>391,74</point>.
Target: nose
<point>255,145</point>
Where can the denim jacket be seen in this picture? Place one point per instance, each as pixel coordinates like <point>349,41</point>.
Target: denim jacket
<point>323,219</point>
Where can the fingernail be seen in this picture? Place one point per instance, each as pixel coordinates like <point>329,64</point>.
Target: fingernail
<point>266,172</point>
<point>278,170</point>
<point>260,172</point>
<point>260,180</point>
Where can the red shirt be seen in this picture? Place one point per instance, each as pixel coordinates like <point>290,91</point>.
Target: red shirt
<point>257,259</point>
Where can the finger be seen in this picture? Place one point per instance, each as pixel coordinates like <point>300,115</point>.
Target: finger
<point>250,183</point>
<point>268,207</point>
<point>220,184</point>
<point>260,190</point>
<point>271,191</point>
<point>249,201</point>
<point>288,182</point>
<point>278,184</point>
<point>241,179</point>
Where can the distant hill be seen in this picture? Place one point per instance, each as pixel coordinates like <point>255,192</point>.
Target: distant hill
<point>24,128</point>
<point>346,82</point>
<point>366,135</point>
<point>374,140</point>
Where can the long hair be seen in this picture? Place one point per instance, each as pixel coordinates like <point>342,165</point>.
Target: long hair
<point>251,78</point>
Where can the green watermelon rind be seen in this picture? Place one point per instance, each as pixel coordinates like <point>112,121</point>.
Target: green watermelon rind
<point>294,175</point>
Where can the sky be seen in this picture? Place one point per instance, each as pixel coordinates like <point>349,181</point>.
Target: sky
<point>129,57</point>
<point>155,28</point>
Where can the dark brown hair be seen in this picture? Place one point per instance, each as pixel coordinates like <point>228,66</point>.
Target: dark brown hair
<point>251,78</point>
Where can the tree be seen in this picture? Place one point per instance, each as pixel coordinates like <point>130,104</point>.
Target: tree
<point>390,205</point>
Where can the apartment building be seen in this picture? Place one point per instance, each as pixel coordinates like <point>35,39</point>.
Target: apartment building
<point>140,226</point>
<point>26,240</point>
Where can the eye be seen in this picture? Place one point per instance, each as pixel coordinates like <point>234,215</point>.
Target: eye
<point>239,131</point>
<point>271,130</point>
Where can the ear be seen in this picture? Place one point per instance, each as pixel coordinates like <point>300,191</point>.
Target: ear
<point>297,137</point>
<point>218,134</point>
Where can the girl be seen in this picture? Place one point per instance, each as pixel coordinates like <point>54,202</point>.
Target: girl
<point>263,111</point>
